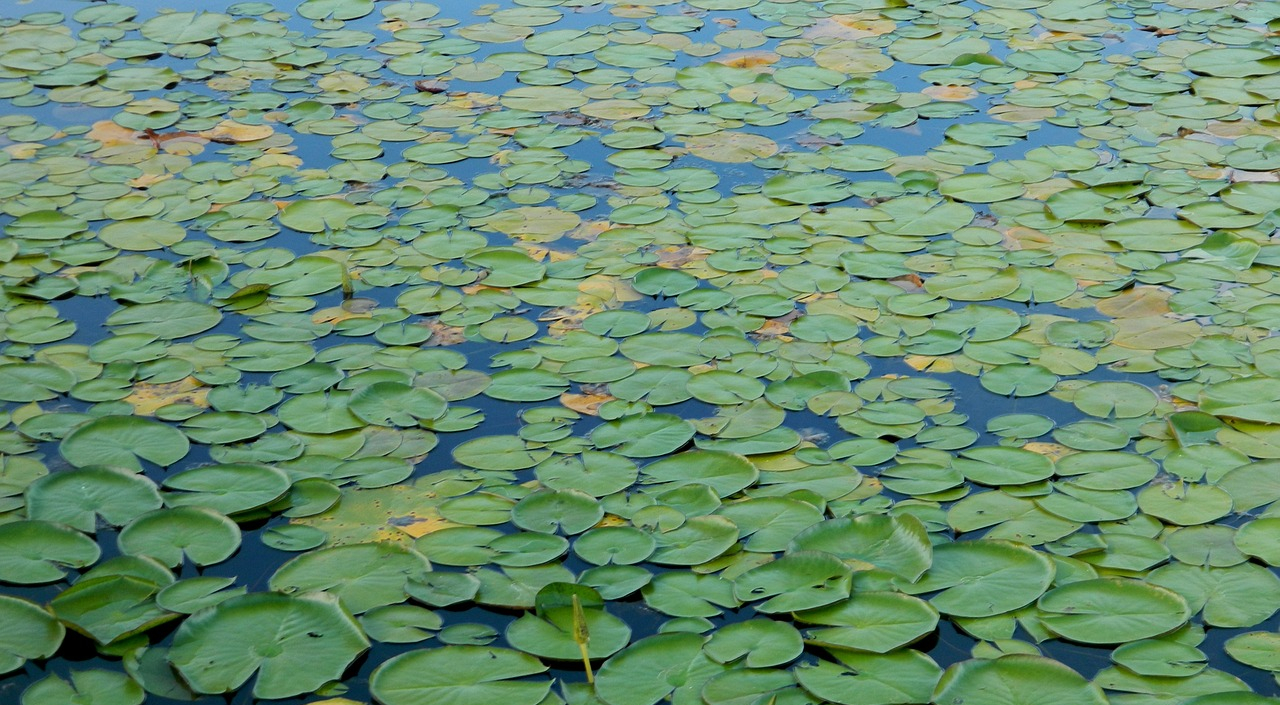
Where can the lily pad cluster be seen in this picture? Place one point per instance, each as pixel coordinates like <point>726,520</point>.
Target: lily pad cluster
<point>716,352</point>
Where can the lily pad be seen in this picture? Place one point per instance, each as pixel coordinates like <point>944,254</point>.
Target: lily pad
<point>294,644</point>
<point>872,679</point>
<point>897,544</point>
<point>1111,610</point>
<point>362,576</point>
<point>466,675</point>
<point>984,578</point>
<point>122,441</point>
<point>34,552</point>
<point>92,687</point>
<point>29,632</point>
<point>169,535</point>
<point>78,497</point>
<point>1017,679</point>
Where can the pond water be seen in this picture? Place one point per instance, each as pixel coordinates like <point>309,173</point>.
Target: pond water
<point>614,353</point>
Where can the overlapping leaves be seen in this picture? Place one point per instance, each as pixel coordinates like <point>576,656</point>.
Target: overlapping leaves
<point>686,328</point>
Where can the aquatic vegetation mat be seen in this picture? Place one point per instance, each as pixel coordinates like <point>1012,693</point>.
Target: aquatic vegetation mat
<point>722,352</point>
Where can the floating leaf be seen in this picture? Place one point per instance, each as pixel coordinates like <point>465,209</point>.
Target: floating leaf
<point>29,632</point>
<point>759,643</point>
<point>111,607</point>
<point>648,670</point>
<point>78,497</point>
<point>464,675</point>
<point>34,382</point>
<point>1017,679</point>
<point>871,679</point>
<point>168,535</point>
<point>1111,611</point>
<point>33,552</point>
<point>551,632</point>
<point>878,622</point>
<point>646,436</point>
<point>897,544</point>
<point>362,576</point>
<point>227,488</point>
<point>92,687</point>
<point>984,578</point>
<point>122,441</point>
<point>798,581</point>
<point>294,644</point>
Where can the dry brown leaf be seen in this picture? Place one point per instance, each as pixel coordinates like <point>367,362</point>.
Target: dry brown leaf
<point>1138,302</point>
<point>608,290</point>
<point>232,131</point>
<point>443,335</point>
<point>749,60</point>
<point>336,314</point>
<point>1018,113</point>
<point>929,363</point>
<point>1053,451</point>
<point>1237,175</point>
<point>419,526</point>
<point>1023,238</point>
<point>1155,333</point>
<point>951,93</point>
<point>109,132</point>
<point>148,180</point>
<point>775,329</point>
<point>908,282</point>
<point>146,398</point>
<point>588,404</point>
<point>854,26</point>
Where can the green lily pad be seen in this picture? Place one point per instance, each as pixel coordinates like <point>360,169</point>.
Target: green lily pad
<point>996,465</point>
<point>169,535</point>
<point>567,510</point>
<point>466,675</point>
<point>550,632</point>
<point>797,581</point>
<point>165,319</point>
<point>499,453</point>
<point>755,643</point>
<point>984,578</point>
<point>28,632</point>
<point>294,644</point>
<point>362,576</point>
<point>1160,657</point>
<point>111,607</point>
<point>644,436</point>
<point>878,622</point>
<point>396,404</point>
<point>122,441</point>
<point>897,544</point>
<point>34,382</point>
<point>1257,649</point>
<point>91,687</point>
<point>854,678</point>
<point>34,552</point>
<point>227,488</point>
<point>194,594</point>
<point>1018,679</point>
<point>649,670</point>
<point>141,234</point>
<point>78,497</point>
<point>725,473</point>
<point>1260,538</point>
<point>1185,503</point>
<point>1111,611</point>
